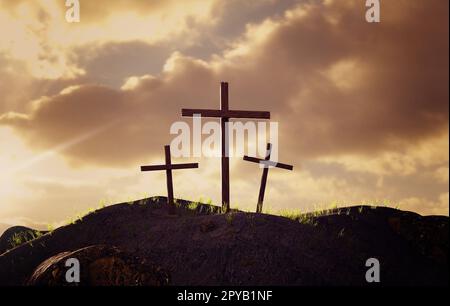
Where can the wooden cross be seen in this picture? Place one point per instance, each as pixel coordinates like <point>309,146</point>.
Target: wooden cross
<point>267,163</point>
<point>224,113</point>
<point>169,167</point>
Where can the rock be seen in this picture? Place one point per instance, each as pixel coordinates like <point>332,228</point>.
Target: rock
<point>100,265</point>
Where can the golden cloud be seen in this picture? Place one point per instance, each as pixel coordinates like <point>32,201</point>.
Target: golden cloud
<point>340,87</point>
<point>39,36</point>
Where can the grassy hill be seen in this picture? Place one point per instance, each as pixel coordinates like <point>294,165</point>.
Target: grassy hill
<point>199,245</point>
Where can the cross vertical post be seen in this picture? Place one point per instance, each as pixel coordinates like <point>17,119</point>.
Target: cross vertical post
<point>225,114</point>
<point>225,147</point>
<point>262,188</point>
<point>169,175</point>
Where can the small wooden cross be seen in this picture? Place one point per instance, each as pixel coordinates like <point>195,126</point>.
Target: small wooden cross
<point>169,167</point>
<point>224,113</point>
<point>267,163</point>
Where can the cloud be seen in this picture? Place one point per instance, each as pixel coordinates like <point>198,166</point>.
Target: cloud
<point>94,12</point>
<point>336,84</point>
<point>426,207</point>
<point>111,62</point>
<point>390,88</point>
<point>138,119</point>
<point>441,174</point>
<point>39,36</point>
<point>408,160</point>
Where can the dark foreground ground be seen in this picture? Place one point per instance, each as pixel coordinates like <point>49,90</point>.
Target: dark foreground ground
<point>140,243</point>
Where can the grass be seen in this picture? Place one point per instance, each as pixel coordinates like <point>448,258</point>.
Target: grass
<point>205,205</point>
<point>297,215</point>
<point>79,217</point>
<point>335,207</point>
<point>102,204</point>
<point>24,237</point>
<point>290,214</point>
<point>50,227</point>
<point>310,218</point>
<point>193,205</point>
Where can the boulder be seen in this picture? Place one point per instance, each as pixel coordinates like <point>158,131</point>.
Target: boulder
<point>100,265</point>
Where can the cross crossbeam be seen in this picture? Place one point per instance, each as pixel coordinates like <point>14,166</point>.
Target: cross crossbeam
<point>169,167</point>
<point>214,113</point>
<point>268,163</point>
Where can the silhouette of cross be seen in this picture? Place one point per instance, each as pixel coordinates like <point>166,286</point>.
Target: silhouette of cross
<point>267,163</point>
<point>224,113</point>
<point>169,167</point>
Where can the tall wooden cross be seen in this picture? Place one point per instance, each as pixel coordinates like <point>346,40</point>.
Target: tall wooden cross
<point>169,167</point>
<point>224,113</point>
<point>267,163</point>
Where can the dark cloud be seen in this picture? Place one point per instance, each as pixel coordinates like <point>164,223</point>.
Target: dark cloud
<point>402,96</point>
<point>137,121</point>
<point>18,88</point>
<point>231,19</point>
<point>110,63</point>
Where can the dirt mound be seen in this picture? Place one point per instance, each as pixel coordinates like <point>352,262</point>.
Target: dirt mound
<point>201,246</point>
<point>102,266</point>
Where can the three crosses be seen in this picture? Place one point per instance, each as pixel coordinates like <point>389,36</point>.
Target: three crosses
<point>224,113</point>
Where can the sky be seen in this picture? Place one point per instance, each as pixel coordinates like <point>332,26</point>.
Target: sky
<point>362,107</point>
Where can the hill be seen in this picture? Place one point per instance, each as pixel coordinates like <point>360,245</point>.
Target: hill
<point>201,246</point>
<point>17,235</point>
